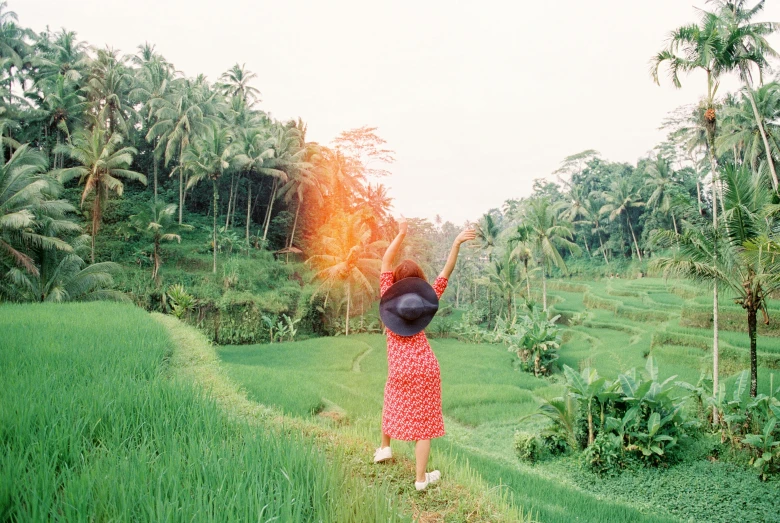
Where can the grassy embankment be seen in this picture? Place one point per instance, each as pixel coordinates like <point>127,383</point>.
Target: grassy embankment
<point>99,420</point>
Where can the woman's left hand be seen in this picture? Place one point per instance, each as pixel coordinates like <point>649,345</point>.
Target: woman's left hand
<point>465,236</point>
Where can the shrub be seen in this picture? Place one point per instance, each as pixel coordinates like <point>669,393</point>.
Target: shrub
<point>605,456</point>
<point>529,447</point>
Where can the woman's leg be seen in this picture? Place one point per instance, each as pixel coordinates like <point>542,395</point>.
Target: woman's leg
<point>421,451</point>
<point>385,440</point>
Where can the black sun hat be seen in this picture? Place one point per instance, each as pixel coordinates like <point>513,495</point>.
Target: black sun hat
<point>408,306</point>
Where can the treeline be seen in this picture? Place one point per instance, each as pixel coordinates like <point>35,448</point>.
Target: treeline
<point>93,139</point>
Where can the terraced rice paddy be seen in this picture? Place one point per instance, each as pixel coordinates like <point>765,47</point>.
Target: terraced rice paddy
<point>484,397</point>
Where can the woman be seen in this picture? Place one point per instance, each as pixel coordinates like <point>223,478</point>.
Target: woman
<point>412,407</point>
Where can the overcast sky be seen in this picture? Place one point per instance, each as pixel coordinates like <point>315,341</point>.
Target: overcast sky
<point>477,98</point>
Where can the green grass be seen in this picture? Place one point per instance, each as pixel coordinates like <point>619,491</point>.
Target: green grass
<point>94,425</point>
<point>484,398</point>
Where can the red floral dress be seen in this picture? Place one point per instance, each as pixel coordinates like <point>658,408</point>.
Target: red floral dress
<point>412,409</point>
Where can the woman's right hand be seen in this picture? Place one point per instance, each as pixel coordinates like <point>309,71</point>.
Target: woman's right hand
<point>403,225</point>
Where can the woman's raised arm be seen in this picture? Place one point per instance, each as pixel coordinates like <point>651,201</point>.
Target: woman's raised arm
<point>465,236</point>
<point>395,245</point>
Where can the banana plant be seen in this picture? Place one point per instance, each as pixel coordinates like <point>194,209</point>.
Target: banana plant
<point>589,388</point>
<point>766,447</point>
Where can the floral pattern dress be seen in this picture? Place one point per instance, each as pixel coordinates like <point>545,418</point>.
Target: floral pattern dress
<point>412,408</point>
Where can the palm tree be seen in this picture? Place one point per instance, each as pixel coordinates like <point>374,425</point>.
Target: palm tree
<point>741,131</point>
<point>108,87</point>
<point>61,108</point>
<point>306,178</point>
<point>179,116</point>
<point>503,275</point>
<point>705,46</point>
<point>547,234</point>
<point>256,151</point>
<point>103,163</point>
<point>152,83</point>
<point>522,251</point>
<point>210,155</point>
<point>488,232</point>
<point>659,180</point>
<point>346,254</point>
<point>68,279</point>
<point>620,200</point>
<point>748,261</point>
<point>62,55</point>
<point>26,196</point>
<point>748,48</point>
<point>235,83</point>
<point>158,223</point>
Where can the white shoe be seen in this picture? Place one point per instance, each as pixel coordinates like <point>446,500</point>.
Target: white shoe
<point>382,454</point>
<point>430,478</point>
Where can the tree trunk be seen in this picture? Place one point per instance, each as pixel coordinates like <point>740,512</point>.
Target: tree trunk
<point>761,129</point>
<point>295,223</point>
<point>154,161</point>
<point>674,222</point>
<point>248,210</point>
<point>591,435</point>
<point>230,201</point>
<point>214,237</point>
<point>715,345</point>
<point>527,281</point>
<point>235,203</point>
<point>95,219</point>
<point>346,320</point>
<point>603,250</point>
<point>636,245</point>
<point>751,312</point>
<point>156,261</point>
<point>270,208</point>
<point>181,191</point>
<point>544,288</point>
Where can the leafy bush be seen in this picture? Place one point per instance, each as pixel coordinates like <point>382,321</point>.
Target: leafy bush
<point>536,340</point>
<point>529,447</point>
<point>633,417</point>
<point>605,455</point>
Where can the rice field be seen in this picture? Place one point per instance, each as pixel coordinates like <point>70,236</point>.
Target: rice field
<point>94,426</point>
<point>484,397</point>
<point>96,423</point>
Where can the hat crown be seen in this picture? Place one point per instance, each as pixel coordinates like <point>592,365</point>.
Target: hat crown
<point>410,306</point>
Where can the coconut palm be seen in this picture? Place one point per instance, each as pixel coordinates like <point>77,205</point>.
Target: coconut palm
<point>741,133</point>
<point>152,83</point>
<point>522,251</point>
<point>210,155</point>
<point>68,278</point>
<point>305,179</point>
<point>103,163</point>
<point>547,233</point>
<point>347,255</point>
<point>61,109</point>
<point>158,223</point>
<point>235,83</point>
<point>748,49</point>
<point>621,198</point>
<point>60,54</point>
<point>504,276</point>
<point>108,87</point>
<point>660,179</point>
<point>27,196</point>
<point>748,243</point>
<point>179,115</point>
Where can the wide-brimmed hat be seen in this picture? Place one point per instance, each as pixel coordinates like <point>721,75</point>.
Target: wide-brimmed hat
<point>408,306</point>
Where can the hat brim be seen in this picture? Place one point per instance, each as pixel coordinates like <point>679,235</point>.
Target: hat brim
<point>389,314</point>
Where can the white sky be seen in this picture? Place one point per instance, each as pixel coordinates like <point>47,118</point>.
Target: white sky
<point>477,98</point>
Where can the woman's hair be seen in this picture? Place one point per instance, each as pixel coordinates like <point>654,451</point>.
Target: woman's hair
<point>408,269</point>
